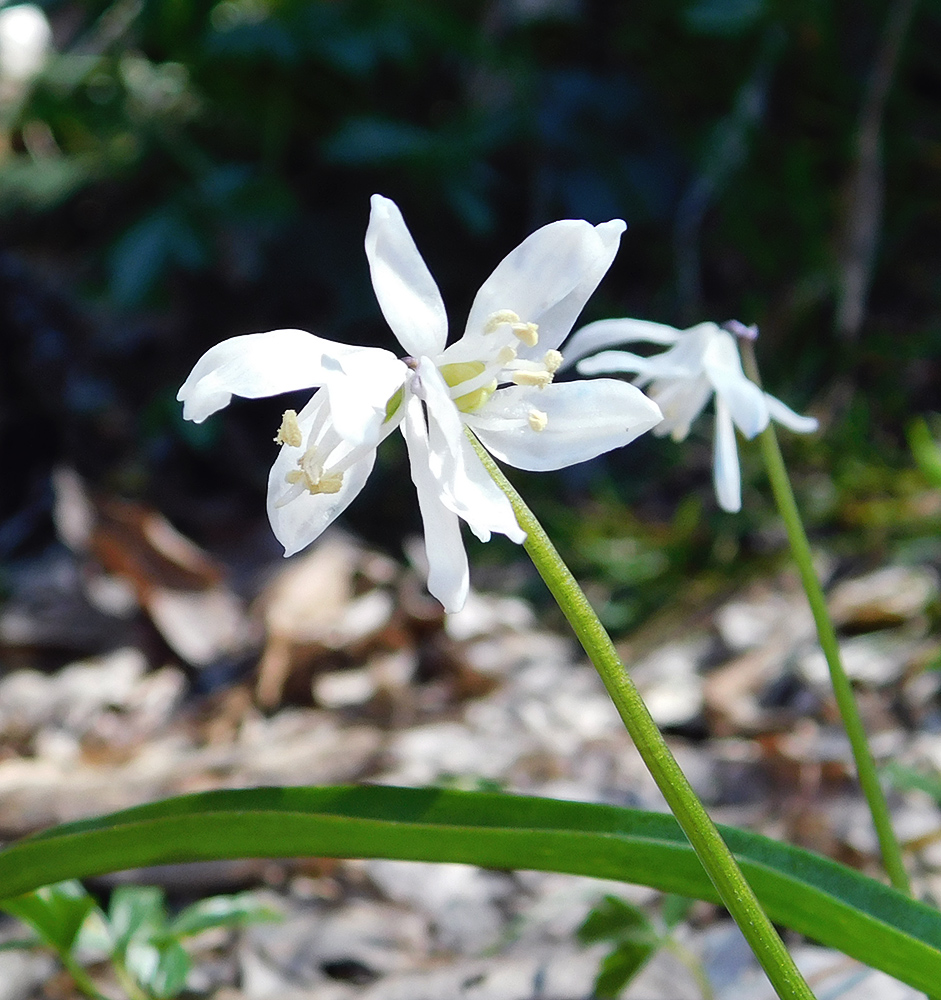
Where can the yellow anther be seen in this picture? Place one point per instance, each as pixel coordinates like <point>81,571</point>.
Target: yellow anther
<point>309,474</point>
<point>331,483</point>
<point>553,361</point>
<point>506,355</point>
<point>540,379</point>
<point>290,430</point>
<point>527,332</point>
<point>538,419</point>
<point>499,318</point>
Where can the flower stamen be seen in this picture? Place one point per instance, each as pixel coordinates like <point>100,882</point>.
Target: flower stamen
<point>528,333</point>
<point>538,419</point>
<point>290,430</point>
<point>540,379</point>
<point>310,474</point>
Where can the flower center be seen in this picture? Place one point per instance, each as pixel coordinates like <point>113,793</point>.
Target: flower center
<point>463,371</point>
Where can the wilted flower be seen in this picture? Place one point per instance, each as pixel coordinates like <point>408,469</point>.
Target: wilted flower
<point>497,380</point>
<point>703,361</point>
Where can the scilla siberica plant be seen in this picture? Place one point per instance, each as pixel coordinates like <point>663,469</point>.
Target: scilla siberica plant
<point>492,393</point>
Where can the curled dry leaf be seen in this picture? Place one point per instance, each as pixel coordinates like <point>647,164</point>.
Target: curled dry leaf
<point>135,556</point>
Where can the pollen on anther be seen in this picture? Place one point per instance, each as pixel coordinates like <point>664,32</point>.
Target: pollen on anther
<point>290,430</point>
<point>538,419</point>
<point>497,319</point>
<point>528,333</point>
<point>540,379</point>
<point>553,361</point>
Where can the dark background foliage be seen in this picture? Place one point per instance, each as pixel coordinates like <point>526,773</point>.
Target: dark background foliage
<point>183,171</point>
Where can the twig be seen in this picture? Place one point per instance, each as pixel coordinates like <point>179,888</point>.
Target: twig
<point>863,221</point>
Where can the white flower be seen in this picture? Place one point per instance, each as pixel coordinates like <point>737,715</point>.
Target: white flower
<point>496,380</point>
<point>703,361</point>
<point>25,41</point>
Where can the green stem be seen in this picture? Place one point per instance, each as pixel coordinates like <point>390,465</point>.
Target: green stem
<point>842,688</point>
<point>79,976</point>
<point>708,844</point>
<point>693,964</point>
<point>127,981</point>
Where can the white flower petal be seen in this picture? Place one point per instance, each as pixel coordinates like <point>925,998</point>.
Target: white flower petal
<point>480,502</point>
<point>257,364</point>
<point>300,520</point>
<point>547,280</point>
<point>465,485</point>
<point>659,366</point>
<point>723,367</point>
<point>360,388</point>
<point>726,476</point>
<point>585,419</point>
<point>681,400</point>
<point>608,332</point>
<point>407,293</point>
<point>448,573</point>
<point>785,415</point>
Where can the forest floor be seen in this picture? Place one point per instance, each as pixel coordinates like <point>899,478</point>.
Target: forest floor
<point>138,666</point>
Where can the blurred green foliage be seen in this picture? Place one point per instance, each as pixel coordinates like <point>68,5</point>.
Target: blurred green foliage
<point>186,170</point>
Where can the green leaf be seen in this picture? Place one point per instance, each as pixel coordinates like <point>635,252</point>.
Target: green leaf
<point>160,241</point>
<point>835,905</point>
<point>674,909</point>
<point>620,966</point>
<point>925,450</point>
<point>136,912</point>
<point>160,968</point>
<point>55,912</point>
<point>723,17</point>
<point>615,919</point>
<point>222,911</point>
<point>905,778</point>
<point>612,920</point>
<point>371,141</point>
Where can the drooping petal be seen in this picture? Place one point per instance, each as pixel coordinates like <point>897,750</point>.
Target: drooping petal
<point>681,400</point>
<point>745,401</point>
<point>546,280</point>
<point>487,507</point>
<point>298,521</point>
<point>464,484</point>
<point>360,387</point>
<point>582,420</point>
<point>726,476</point>
<point>445,455</point>
<point>257,364</point>
<point>659,366</point>
<point>608,332</point>
<point>785,415</point>
<point>407,293</point>
<point>448,572</point>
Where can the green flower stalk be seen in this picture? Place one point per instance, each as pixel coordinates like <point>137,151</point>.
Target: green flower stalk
<point>842,688</point>
<point>690,813</point>
<point>490,392</point>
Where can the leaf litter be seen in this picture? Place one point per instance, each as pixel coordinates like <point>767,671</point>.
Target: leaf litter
<point>334,666</point>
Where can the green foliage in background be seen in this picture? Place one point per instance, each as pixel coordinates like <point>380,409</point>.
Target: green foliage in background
<point>185,171</point>
<point>136,934</point>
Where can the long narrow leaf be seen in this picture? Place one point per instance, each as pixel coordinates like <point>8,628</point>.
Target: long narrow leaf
<point>820,898</point>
